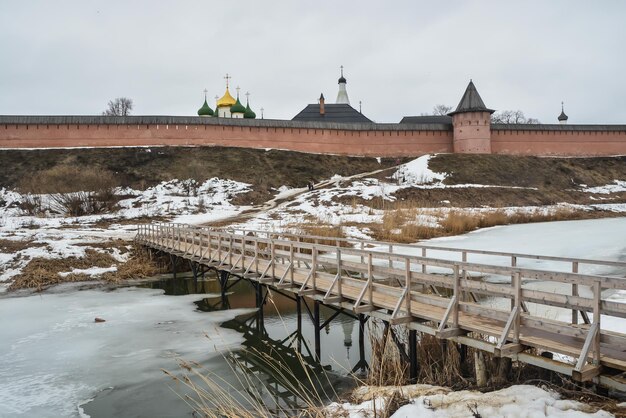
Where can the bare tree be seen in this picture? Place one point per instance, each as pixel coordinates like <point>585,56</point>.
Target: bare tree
<point>441,110</point>
<point>512,117</point>
<point>119,107</point>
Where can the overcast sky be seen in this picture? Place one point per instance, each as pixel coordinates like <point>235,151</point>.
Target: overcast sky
<point>400,57</point>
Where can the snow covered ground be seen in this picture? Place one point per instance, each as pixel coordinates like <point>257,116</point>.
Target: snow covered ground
<point>425,401</point>
<point>56,236</point>
<point>322,205</point>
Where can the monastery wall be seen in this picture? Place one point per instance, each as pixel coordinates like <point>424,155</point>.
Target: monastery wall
<point>559,140</point>
<point>380,140</point>
<point>386,142</point>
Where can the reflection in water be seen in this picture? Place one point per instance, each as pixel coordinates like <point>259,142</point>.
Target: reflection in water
<point>277,362</point>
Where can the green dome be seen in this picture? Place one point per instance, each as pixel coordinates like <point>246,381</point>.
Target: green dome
<point>249,114</point>
<point>237,107</point>
<point>205,110</point>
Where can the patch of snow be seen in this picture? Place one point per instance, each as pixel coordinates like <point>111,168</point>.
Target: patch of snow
<point>616,187</point>
<point>436,402</point>
<point>417,172</point>
<point>92,271</point>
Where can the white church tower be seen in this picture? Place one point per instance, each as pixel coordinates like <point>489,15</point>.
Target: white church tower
<point>342,96</point>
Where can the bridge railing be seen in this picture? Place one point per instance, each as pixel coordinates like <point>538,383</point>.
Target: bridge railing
<point>574,264</point>
<point>401,283</point>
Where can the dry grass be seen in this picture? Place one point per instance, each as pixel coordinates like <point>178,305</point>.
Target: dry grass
<point>13,246</point>
<point>41,273</point>
<point>68,179</point>
<point>138,266</point>
<point>75,190</point>
<point>323,230</point>
<point>459,223</point>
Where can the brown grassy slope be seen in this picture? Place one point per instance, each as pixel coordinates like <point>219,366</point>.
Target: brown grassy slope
<point>556,180</point>
<point>506,170</point>
<point>143,167</point>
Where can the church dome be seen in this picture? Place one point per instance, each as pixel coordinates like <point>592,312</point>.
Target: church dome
<point>237,107</point>
<point>562,117</point>
<point>205,110</point>
<point>249,114</point>
<point>227,100</point>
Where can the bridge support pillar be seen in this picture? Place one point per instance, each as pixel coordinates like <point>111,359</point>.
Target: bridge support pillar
<point>299,321</point>
<point>194,271</point>
<point>259,304</point>
<point>413,365</point>
<point>316,324</point>
<point>173,261</point>
<point>222,277</point>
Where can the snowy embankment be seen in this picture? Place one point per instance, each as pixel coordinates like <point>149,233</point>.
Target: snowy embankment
<point>51,235</point>
<point>328,205</point>
<point>425,401</point>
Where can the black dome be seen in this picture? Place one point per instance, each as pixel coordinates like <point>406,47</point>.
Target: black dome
<point>342,79</point>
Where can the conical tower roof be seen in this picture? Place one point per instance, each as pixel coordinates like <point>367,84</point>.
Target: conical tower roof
<point>471,101</point>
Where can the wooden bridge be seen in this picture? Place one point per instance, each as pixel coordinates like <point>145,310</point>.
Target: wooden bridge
<point>446,298</point>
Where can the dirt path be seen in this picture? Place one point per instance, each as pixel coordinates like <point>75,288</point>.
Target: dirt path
<point>285,198</point>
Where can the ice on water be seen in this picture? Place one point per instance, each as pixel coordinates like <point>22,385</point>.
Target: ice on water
<point>53,356</point>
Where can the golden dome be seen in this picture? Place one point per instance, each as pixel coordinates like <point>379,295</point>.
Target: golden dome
<point>227,100</point>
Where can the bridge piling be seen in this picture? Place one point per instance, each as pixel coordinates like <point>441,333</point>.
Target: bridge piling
<point>317,327</point>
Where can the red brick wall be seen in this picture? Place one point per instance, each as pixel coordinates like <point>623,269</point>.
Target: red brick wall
<point>563,143</point>
<point>382,143</point>
<point>347,142</point>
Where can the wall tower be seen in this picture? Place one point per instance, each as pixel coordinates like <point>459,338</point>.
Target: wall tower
<point>471,122</point>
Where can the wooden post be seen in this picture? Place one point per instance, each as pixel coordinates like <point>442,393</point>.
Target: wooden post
<point>390,252</point>
<point>339,272</point>
<point>370,279</point>
<point>574,292</point>
<point>464,259</point>
<point>243,252</point>
<point>314,267</point>
<point>423,262</point>
<point>457,295</point>
<point>362,258</point>
<point>597,313</point>
<point>517,280</point>
<point>273,257</point>
<point>407,284</point>
<point>219,247</point>
<point>230,250</point>
<point>291,263</point>
<point>513,264</point>
<point>256,255</point>
<point>210,245</point>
